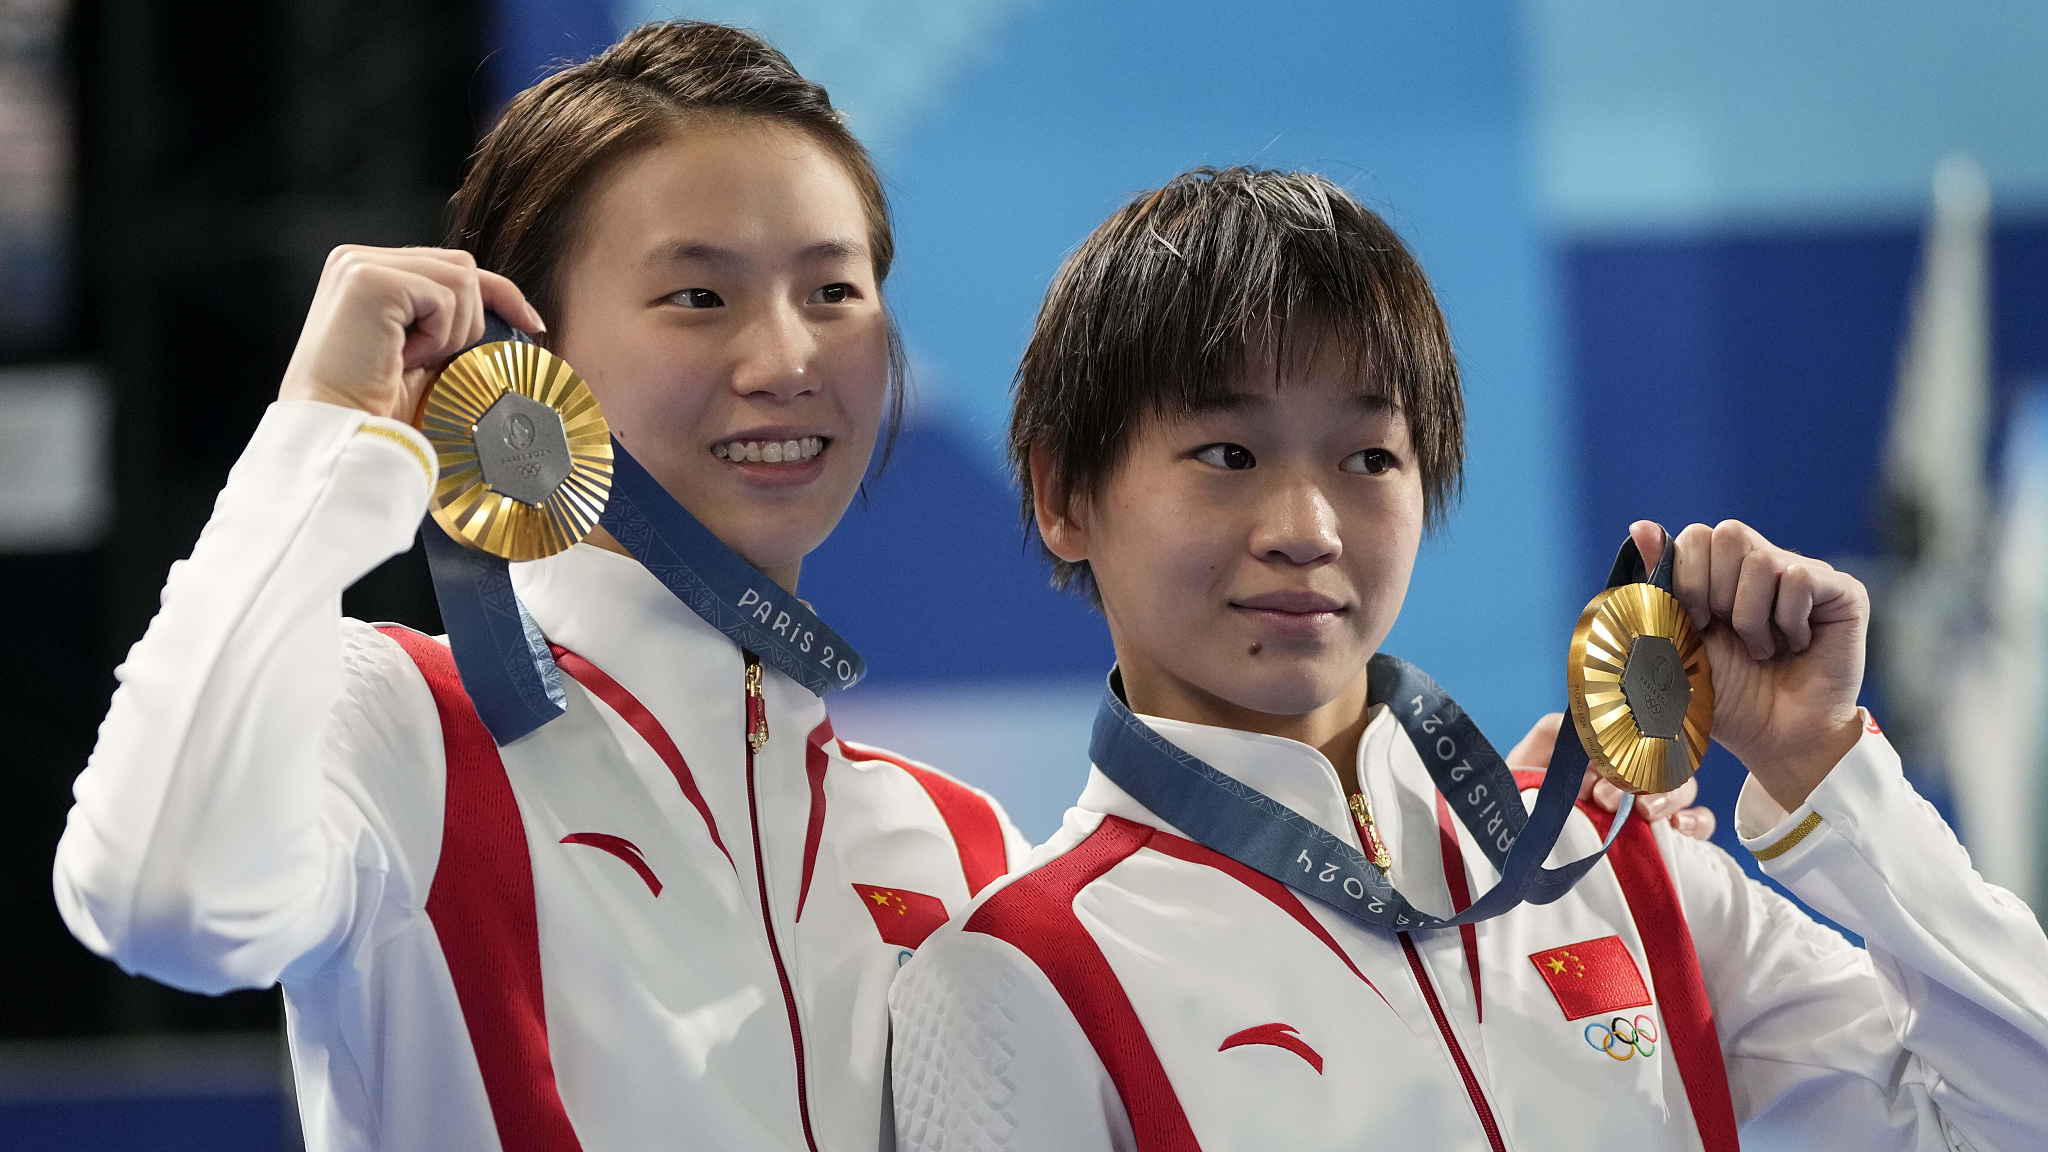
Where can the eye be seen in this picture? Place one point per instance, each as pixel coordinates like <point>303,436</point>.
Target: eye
<point>697,298</point>
<point>1230,457</point>
<point>1370,462</point>
<point>833,294</point>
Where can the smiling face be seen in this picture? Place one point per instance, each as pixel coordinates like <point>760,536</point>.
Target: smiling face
<point>1252,556</point>
<point>721,300</point>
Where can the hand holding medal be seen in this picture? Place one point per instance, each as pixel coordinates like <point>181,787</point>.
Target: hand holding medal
<point>384,321</point>
<point>1783,635</point>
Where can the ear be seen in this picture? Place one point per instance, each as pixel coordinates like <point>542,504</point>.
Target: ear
<point>1065,535</point>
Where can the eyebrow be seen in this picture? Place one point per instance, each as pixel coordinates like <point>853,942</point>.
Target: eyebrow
<point>831,249</point>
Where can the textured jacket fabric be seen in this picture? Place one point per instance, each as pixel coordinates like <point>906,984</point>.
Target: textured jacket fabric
<point>617,932</point>
<point>1129,989</point>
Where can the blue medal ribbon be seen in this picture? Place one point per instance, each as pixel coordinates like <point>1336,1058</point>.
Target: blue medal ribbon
<point>504,660</point>
<point>1231,817</point>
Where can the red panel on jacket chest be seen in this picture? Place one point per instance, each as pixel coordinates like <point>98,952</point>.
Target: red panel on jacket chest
<point>1592,976</point>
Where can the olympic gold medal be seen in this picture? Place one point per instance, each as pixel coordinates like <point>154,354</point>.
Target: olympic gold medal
<point>1642,694</point>
<point>525,453</point>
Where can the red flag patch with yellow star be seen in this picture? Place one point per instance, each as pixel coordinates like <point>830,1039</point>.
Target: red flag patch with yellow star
<point>904,918</point>
<point>1592,977</point>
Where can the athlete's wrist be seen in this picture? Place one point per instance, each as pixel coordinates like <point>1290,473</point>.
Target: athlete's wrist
<point>1791,774</point>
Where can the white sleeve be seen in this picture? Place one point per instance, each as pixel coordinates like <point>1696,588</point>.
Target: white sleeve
<point>220,826</point>
<point>985,1056</point>
<point>1934,1038</point>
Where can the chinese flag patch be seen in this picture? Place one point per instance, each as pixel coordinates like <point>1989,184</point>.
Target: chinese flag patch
<point>1592,977</point>
<point>904,918</point>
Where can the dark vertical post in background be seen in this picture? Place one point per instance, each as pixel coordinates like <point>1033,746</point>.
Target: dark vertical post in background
<point>223,149</point>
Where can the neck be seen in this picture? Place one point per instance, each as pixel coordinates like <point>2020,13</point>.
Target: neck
<point>784,575</point>
<point>1332,728</point>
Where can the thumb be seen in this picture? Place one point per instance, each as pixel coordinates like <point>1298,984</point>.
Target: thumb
<point>1649,538</point>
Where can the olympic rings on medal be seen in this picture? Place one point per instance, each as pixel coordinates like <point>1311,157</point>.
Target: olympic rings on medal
<point>1624,1039</point>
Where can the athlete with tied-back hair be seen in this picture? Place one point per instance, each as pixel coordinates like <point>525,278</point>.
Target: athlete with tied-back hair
<point>1236,416</point>
<point>670,917</point>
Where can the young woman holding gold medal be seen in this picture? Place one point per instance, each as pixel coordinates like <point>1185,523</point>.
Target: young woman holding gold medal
<point>595,872</point>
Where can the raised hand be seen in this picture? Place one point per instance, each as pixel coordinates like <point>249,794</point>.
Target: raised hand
<point>1785,636</point>
<point>384,320</point>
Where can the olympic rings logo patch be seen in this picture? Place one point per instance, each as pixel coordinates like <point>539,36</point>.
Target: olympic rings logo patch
<point>1624,1039</point>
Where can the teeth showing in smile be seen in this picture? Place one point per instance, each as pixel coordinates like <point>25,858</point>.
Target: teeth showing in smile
<point>769,451</point>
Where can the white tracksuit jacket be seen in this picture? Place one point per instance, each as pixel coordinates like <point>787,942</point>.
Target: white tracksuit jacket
<point>269,801</point>
<point>1183,990</point>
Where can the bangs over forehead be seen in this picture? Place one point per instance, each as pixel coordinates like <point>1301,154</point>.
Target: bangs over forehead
<point>1161,308</point>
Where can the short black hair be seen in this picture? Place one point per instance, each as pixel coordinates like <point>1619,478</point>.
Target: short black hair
<point>1157,310</point>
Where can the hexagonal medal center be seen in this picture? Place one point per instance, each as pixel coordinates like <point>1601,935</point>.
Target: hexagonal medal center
<point>522,449</point>
<point>1655,686</point>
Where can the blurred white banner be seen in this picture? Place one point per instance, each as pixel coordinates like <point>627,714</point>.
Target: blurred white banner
<point>55,424</point>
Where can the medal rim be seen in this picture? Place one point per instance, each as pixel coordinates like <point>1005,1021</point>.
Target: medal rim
<point>468,508</point>
<point>1619,751</point>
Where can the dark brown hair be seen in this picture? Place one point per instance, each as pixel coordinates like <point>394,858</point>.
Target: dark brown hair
<point>1158,309</point>
<point>520,203</point>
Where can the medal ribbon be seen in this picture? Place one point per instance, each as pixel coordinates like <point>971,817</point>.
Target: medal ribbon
<point>1254,829</point>
<point>504,660</point>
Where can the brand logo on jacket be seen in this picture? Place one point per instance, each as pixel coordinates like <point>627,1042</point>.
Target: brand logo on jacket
<point>1276,1035</point>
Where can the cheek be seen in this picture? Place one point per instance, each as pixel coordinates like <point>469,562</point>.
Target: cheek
<point>857,358</point>
<point>1168,550</point>
<point>1383,549</point>
<point>650,386</point>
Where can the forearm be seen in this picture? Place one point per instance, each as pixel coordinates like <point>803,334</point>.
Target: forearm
<point>1961,966</point>
<point>194,852</point>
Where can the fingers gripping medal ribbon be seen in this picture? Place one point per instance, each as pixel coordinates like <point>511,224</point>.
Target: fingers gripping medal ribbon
<point>1260,832</point>
<point>527,467</point>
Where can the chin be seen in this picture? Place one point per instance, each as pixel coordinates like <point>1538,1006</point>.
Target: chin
<point>1283,692</point>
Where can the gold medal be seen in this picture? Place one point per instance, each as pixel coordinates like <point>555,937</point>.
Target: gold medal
<point>525,453</point>
<point>1641,692</point>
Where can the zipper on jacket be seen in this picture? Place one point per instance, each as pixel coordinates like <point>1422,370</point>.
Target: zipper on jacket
<point>1369,832</point>
<point>757,738</point>
<point>1443,1025</point>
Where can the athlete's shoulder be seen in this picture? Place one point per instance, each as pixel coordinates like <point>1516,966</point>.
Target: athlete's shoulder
<point>379,676</point>
<point>1023,921</point>
<point>988,840</point>
<point>385,730</point>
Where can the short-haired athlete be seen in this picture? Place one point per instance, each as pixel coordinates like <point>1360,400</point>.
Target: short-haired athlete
<point>670,915</point>
<point>1237,415</point>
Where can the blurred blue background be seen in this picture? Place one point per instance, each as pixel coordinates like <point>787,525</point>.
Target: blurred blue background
<point>1698,223</point>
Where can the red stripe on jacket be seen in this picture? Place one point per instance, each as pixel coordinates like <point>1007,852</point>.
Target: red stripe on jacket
<point>1035,914</point>
<point>636,716</point>
<point>977,833</point>
<point>815,763</point>
<point>481,904</point>
<point>1675,974</point>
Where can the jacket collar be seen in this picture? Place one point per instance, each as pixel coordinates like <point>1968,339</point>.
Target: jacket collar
<point>590,600</point>
<point>1297,775</point>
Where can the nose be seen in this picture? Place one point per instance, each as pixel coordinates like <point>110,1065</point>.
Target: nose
<point>774,356</point>
<point>1296,525</point>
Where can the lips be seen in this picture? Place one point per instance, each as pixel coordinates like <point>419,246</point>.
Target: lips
<point>1296,615</point>
<point>1299,603</point>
